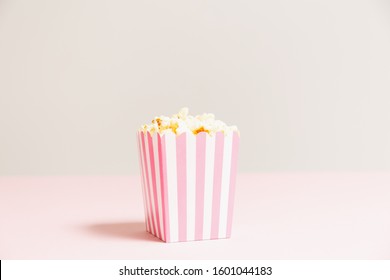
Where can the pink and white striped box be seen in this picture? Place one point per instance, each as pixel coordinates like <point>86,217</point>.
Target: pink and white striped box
<point>188,184</point>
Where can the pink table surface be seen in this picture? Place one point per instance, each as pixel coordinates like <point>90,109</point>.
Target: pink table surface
<point>277,216</point>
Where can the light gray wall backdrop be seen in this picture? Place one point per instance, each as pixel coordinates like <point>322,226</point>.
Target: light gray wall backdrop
<point>307,82</point>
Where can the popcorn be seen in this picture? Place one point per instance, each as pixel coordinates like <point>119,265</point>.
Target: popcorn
<point>188,168</point>
<point>182,122</point>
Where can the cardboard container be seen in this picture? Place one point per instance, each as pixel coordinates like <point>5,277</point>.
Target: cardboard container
<point>188,184</point>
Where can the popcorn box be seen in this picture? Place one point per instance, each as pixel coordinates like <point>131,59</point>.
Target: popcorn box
<point>188,184</point>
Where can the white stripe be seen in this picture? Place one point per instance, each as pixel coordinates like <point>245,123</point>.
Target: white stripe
<point>191,194</point>
<point>151,200</point>
<point>208,186</point>
<point>142,177</point>
<point>158,183</point>
<point>170,143</point>
<point>225,184</point>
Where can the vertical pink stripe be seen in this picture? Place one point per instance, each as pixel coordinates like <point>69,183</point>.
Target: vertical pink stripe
<point>145,186</point>
<point>200,177</point>
<point>147,181</point>
<point>164,186</point>
<point>233,172</point>
<point>147,223</point>
<point>219,141</point>
<point>182,185</point>
<point>153,171</point>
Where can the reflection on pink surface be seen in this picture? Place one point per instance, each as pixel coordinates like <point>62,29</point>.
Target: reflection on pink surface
<point>124,230</point>
<point>277,216</point>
